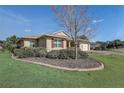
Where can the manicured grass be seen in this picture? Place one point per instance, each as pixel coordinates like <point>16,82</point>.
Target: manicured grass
<point>20,74</point>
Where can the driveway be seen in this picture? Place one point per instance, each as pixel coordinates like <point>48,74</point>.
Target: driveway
<point>113,51</point>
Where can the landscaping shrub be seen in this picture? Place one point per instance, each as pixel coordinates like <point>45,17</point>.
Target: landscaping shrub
<point>53,54</point>
<point>2,50</point>
<point>71,53</point>
<point>30,52</point>
<point>82,54</point>
<point>42,52</point>
<point>63,54</point>
<point>39,52</point>
<point>23,52</point>
<point>66,54</point>
<point>19,53</point>
<point>36,52</point>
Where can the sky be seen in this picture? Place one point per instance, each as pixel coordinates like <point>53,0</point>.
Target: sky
<point>32,20</point>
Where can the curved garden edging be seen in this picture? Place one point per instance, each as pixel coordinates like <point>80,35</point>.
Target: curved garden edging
<point>101,67</point>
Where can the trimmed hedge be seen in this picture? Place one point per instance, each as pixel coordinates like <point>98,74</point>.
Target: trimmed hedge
<point>63,54</point>
<point>39,52</point>
<point>30,52</point>
<point>20,53</point>
<point>66,54</point>
<point>55,54</point>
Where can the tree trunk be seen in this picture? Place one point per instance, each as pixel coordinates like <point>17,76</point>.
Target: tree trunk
<point>76,51</point>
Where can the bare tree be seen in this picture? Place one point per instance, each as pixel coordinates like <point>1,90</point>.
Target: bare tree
<point>74,20</point>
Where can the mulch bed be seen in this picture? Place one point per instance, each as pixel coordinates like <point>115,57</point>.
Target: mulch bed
<point>70,63</point>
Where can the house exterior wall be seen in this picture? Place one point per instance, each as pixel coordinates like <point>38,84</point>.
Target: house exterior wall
<point>1,47</point>
<point>26,43</point>
<point>84,46</point>
<point>89,47</point>
<point>65,44</point>
<point>42,42</point>
<point>47,42</point>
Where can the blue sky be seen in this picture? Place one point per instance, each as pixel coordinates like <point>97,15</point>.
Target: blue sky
<point>30,20</point>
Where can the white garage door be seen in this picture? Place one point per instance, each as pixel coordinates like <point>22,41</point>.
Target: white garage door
<point>84,47</point>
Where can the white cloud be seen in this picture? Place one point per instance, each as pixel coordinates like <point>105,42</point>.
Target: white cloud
<point>27,30</point>
<point>17,18</point>
<point>98,21</point>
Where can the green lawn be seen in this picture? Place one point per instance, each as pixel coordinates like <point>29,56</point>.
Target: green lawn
<point>20,74</point>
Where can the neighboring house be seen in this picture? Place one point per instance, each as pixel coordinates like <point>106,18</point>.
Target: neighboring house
<point>95,46</point>
<point>55,41</point>
<point>1,47</point>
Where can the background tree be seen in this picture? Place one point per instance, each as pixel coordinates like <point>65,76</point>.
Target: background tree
<point>115,43</point>
<point>102,45</point>
<point>1,43</point>
<point>83,37</point>
<point>74,20</point>
<point>2,46</point>
<point>10,43</point>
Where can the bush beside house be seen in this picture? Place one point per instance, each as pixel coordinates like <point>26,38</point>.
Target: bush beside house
<point>66,54</point>
<point>55,54</point>
<point>30,52</point>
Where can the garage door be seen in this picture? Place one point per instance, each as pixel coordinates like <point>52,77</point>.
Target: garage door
<point>84,47</point>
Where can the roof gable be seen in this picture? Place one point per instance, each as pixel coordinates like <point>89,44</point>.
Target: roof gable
<point>62,33</point>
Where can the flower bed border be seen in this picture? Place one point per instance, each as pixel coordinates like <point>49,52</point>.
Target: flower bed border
<point>101,67</point>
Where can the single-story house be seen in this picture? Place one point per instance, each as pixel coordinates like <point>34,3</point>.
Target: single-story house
<point>95,46</point>
<point>1,47</point>
<point>54,41</point>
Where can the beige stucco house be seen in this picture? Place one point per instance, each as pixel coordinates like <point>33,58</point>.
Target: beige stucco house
<point>54,41</point>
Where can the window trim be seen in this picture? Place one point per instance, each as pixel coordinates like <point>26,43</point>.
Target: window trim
<point>57,44</point>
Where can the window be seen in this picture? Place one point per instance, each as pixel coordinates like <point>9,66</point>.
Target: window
<point>57,43</point>
<point>32,43</point>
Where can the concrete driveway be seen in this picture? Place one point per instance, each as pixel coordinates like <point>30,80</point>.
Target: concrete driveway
<point>113,51</point>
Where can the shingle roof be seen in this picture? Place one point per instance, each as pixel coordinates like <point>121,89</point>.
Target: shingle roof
<point>53,35</point>
<point>59,36</point>
<point>33,36</point>
<point>83,41</point>
<point>47,35</point>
